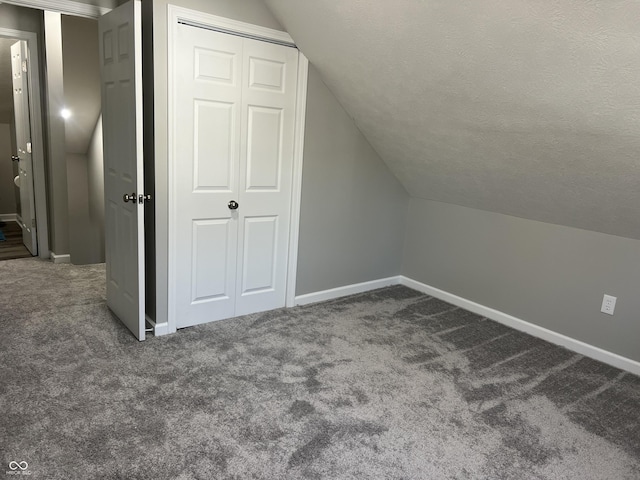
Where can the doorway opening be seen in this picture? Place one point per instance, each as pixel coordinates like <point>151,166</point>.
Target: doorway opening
<point>23,219</point>
<point>12,245</point>
<point>67,216</point>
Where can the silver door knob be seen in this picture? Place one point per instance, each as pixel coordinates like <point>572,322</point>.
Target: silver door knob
<point>233,205</point>
<point>129,198</point>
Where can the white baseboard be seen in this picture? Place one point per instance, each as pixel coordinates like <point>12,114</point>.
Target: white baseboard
<point>159,329</point>
<point>572,344</point>
<point>346,290</point>
<point>8,217</point>
<point>64,258</point>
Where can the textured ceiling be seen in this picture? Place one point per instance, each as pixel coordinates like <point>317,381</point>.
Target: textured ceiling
<point>524,107</point>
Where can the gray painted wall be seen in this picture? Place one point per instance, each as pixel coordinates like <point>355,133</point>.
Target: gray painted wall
<point>95,184</point>
<point>81,80</point>
<point>7,187</point>
<point>353,211</point>
<point>80,233</point>
<point>6,80</point>
<point>85,175</point>
<point>85,179</point>
<point>549,275</point>
<point>18,18</point>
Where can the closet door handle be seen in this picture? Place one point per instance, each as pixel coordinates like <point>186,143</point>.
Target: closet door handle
<point>233,205</point>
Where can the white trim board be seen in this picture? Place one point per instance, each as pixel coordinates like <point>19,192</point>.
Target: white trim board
<point>62,258</point>
<point>296,190</point>
<point>346,290</point>
<point>207,20</point>
<point>68,7</point>
<point>159,329</point>
<point>8,217</point>
<point>556,338</point>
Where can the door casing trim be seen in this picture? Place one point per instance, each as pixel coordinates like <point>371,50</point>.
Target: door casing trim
<point>67,7</point>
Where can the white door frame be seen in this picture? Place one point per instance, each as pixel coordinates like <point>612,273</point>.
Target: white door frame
<point>195,18</point>
<point>37,138</point>
<point>67,7</point>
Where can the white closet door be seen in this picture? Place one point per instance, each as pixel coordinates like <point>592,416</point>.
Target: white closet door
<point>208,108</point>
<point>235,108</point>
<point>266,167</point>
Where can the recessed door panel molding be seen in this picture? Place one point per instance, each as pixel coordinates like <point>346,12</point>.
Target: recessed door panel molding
<point>260,254</point>
<point>114,272</point>
<point>210,277</point>
<point>231,170</point>
<point>264,148</point>
<point>107,47</point>
<point>128,242</point>
<point>214,145</point>
<point>215,66</point>
<point>124,33</point>
<point>267,74</point>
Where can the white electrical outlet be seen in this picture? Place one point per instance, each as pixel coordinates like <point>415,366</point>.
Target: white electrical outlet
<point>608,304</point>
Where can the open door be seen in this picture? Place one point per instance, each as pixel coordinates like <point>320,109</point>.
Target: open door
<point>121,80</point>
<point>27,218</point>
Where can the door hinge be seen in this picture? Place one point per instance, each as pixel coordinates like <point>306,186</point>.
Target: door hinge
<point>144,198</point>
<point>24,66</point>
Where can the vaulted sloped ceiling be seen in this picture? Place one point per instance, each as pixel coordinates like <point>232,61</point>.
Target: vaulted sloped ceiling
<point>524,107</point>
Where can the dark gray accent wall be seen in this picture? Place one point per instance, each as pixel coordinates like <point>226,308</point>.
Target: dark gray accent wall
<point>549,275</point>
<point>7,187</point>
<point>353,210</point>
<point>149,159</point>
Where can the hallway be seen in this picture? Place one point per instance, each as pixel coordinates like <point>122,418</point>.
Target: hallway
<point>12,246</point>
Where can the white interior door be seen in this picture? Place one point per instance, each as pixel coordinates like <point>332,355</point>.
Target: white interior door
<point>208,141</point>
<point>266,174</point>
<point>27,214</point>
<point>235,112</point>
<point>121,78</point>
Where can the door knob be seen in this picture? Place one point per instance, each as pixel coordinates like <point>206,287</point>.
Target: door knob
<point>233,205</point>
<point>129,198</point>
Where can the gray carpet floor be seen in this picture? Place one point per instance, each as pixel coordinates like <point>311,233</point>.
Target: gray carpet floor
<point>390,384</point>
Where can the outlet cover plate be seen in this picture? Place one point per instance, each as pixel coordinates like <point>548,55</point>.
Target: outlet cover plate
<point>608,304</point>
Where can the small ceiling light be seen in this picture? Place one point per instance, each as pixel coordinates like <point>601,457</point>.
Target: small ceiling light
<point>65,113</point>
